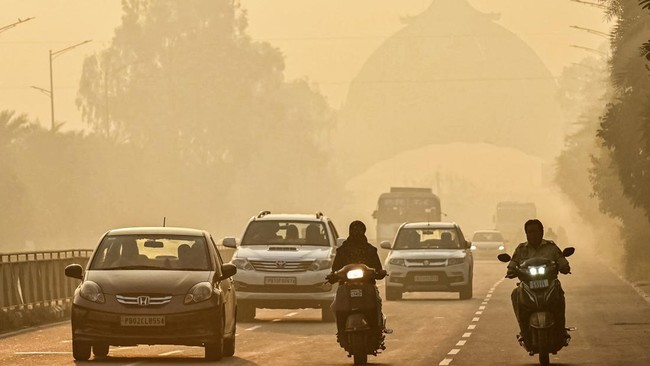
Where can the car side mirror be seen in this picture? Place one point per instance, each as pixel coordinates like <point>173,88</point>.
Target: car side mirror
<point>568,251</point>
<point>227,270</point>
<point>385,245</point>
<point>339,242</point>
<point>504,257</point>
<point>74,271</point>
<point>229,242</point>
<point>468,244</point>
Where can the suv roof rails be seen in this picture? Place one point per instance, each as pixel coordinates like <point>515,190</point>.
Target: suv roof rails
<point>262,214</point>
<point>319,215</point>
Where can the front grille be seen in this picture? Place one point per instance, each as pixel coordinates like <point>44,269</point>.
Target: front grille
<point>281,266</point>
<point>137,300</point>
<point>437,262</point>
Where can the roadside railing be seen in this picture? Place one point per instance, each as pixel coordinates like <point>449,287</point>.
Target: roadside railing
<point>30,279</point>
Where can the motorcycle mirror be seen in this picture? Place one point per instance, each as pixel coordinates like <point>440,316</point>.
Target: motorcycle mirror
<point>568,251</point>
<point>504,257</point>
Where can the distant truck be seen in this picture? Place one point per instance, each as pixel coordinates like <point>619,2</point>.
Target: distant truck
<point>510,218</point>
<point>404,204</point>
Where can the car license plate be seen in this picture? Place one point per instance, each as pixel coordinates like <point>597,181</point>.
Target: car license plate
<point>279,280</point>
<point>142,320</point>
<point>431,278</point>
<point>535,284</point>
<point>356,292</point>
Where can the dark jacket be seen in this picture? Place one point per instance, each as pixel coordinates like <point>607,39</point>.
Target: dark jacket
<point>356,250</point>
<point>547,249</point>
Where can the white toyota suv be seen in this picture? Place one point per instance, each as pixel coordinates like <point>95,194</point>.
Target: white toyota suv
<point>282,261</point>
<point>428,257</point>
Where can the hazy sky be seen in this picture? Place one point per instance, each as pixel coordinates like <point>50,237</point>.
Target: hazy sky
<point>326,41</point>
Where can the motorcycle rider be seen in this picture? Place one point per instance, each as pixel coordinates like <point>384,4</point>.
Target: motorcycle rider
<point>356,249</point>
<point>536,246</point>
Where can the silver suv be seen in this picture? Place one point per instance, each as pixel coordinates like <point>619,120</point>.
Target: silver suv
<point>282,261</point>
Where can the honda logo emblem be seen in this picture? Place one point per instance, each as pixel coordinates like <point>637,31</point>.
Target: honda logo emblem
<point>143,300</point>
<point>280,264</point>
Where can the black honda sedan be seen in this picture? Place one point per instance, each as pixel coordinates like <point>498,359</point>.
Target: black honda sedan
<point>154,286</point>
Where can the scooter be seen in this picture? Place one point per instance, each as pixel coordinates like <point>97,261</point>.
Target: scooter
<point>539,290</point>
<point>356,302</point>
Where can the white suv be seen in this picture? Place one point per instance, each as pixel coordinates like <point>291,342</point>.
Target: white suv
<point>427,257</point>
<point>282,261</point>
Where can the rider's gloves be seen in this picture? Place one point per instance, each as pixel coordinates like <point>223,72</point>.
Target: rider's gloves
<point>512,273</point>
<point>381,274</point>
<point>331,278</point>
<point>565,269</point>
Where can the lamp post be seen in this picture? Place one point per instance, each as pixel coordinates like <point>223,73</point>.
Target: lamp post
<point>7,27</point>
<point>51,91</point>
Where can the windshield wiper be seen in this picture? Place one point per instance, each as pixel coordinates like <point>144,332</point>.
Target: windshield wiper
<point>134,267</point>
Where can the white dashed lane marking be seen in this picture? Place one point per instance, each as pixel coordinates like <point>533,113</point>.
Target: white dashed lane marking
<point>43,353</point>
<point>467,335</point>
<point>254,327</point>
<point>170,353</point>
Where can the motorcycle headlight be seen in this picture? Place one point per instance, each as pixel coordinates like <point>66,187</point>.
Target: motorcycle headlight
<point>242,263</point>
<point>320,264</point>
<point>501,247</point>
<point>537,270</point>
<point>92,292</point>
<point>397,261</point>
<point>354,274</point>
<point>199,292</point>
<point>454,261</point>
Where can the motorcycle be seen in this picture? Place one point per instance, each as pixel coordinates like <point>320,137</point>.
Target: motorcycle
<point>539,290</point>
<point>356,306</point>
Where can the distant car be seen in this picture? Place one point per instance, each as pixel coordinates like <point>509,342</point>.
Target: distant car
<point>429,257</point>
<point>154,286</point>
<point>488,244</point>
<point>282,262</point>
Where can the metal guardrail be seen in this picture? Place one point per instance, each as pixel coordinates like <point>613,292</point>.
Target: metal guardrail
<point>37,278</point>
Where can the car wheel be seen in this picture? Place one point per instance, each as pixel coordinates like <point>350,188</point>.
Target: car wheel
<point>245,312</point>
<point>100,349</point>
<point>229,346</point>
<point>214,350</point>
<point>326,314</point>
<point>393,294</point>
<point>466,292</point>
<point>80,350</point>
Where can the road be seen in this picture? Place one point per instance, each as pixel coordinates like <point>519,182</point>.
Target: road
<point>611,317</point>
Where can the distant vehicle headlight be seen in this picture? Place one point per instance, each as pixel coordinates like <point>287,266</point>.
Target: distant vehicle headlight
<point>454,261</point>
<point>501,247</point>
<point>473,247</point>
<point>199,292</point>
<point>354,274</point>
<point>537,270</point>
<point>242,263</point>
<point>397,262</point>
<point>320,264</point>
<point>92,292</point>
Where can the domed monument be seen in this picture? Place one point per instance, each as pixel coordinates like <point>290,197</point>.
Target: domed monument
<point>450,75</point>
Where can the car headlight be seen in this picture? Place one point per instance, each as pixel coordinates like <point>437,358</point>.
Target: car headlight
<point>537,270</point>
<point>454,261</point>
<point>320,264</point>
<point>473,247</point>
<point>92,292</point>
<point>501,247</point>
<point>242,263</point>
<point>354,274</point>
<point>199,292</point>
<point>397,261</point>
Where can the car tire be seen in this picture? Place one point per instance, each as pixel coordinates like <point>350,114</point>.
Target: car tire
<point>229,346</point>
<point>80,350</point>
<point>326,314</point>
<point>100,350</point>
<point>393,294</point>
<point>245,312</point>
<point>214,350</point>
<point>466,292</point>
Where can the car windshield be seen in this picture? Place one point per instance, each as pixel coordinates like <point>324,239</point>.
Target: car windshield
<point>158,252</point>
<point>269,232</point>
<point>427,238</point>
<point>487,236</point>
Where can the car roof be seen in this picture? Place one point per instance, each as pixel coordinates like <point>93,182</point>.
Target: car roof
<point>156,231</point>
<point>289,217</point>
<point>434,225</point>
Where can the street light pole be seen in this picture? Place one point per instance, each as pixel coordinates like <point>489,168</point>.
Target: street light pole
<point>52,56</point>
<point>7,27</point>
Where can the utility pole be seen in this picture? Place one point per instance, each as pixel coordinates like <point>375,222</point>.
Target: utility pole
<point>20,21</point>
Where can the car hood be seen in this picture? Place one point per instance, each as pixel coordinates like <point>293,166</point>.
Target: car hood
<point>487,244</point>
<point>275,252</point>
<point>427,253</point>
<point>147,281</point>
